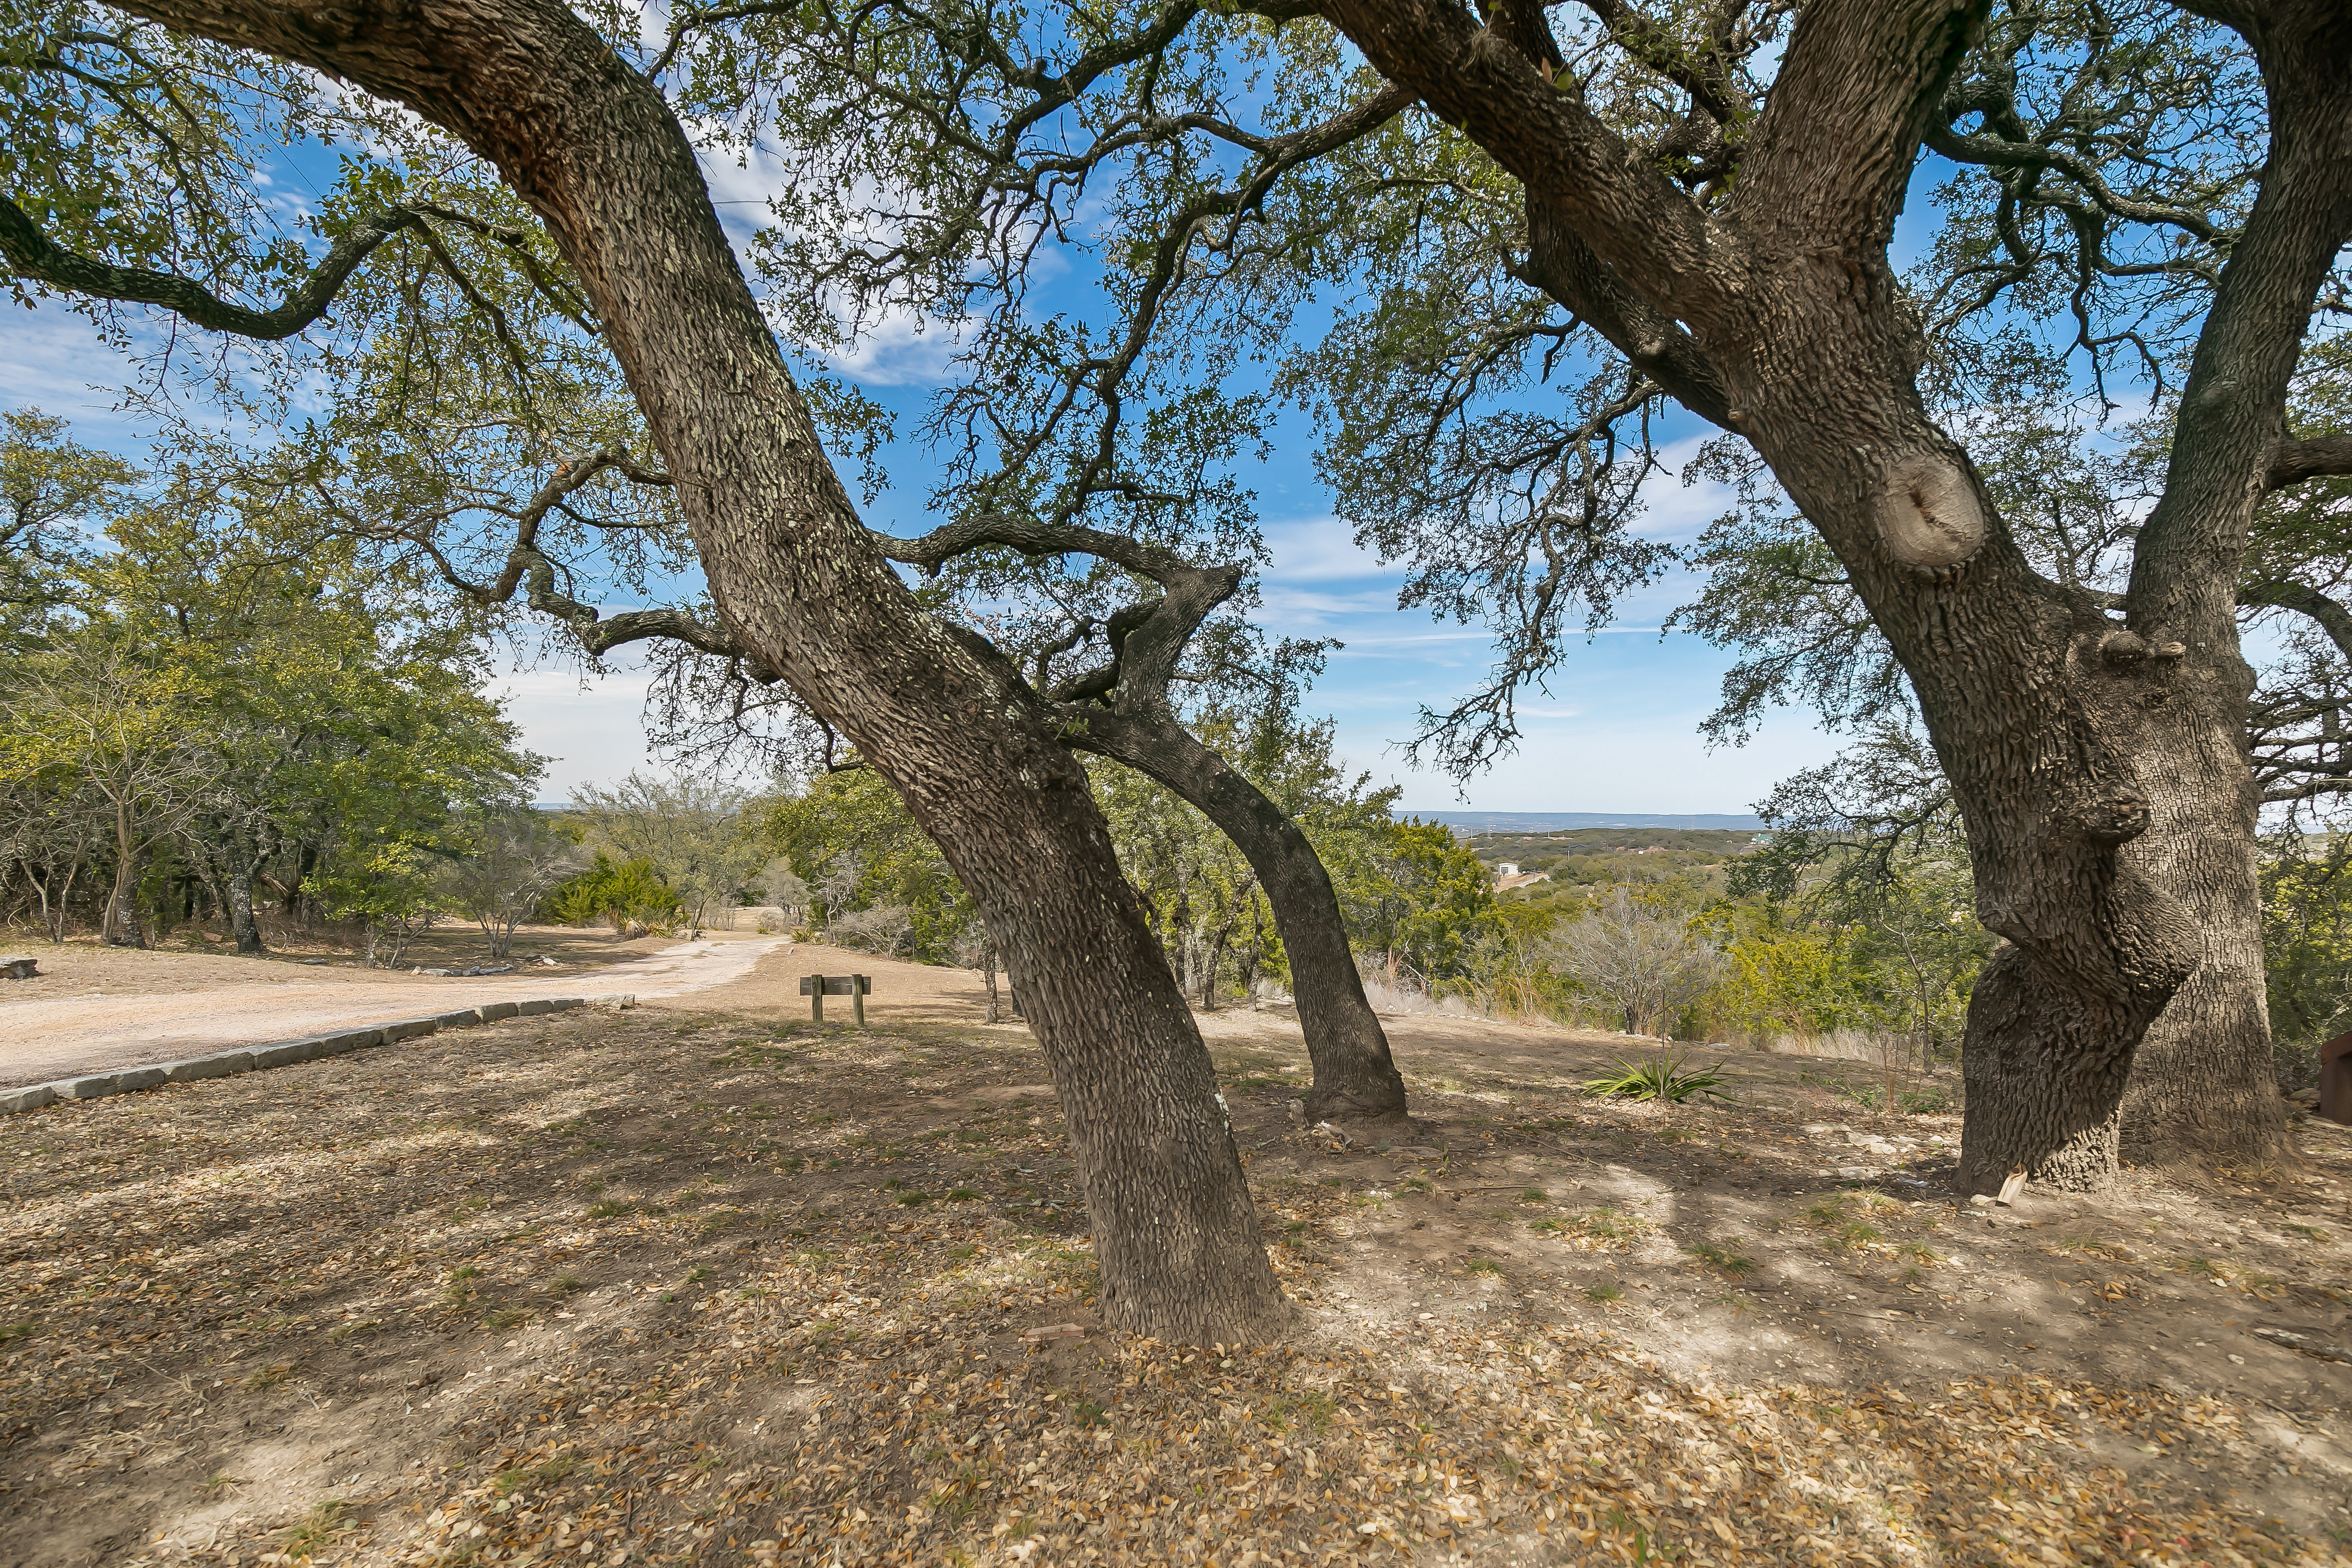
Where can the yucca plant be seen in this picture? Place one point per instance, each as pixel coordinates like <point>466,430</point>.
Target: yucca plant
<point>1665,1077</point>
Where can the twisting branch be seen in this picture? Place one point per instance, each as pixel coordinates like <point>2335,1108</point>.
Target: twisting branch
<point>2329,615</point>
<point>1030,536</point>
<point>33,255</point>
<point>530,571</point>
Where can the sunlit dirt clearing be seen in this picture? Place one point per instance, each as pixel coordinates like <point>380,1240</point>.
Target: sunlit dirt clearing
<point>685,1285</point>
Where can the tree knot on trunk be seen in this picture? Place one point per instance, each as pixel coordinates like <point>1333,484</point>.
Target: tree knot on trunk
<point>2115,815</point>
<point>1928,515</point>
<point>2128,650</point>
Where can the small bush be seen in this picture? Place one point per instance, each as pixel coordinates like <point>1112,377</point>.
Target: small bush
<point>1663,1077</point>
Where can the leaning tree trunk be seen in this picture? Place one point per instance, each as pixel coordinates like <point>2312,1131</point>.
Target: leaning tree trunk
<point>2068,736</point>
<point>1356,1081</point>
<point>592,146</point>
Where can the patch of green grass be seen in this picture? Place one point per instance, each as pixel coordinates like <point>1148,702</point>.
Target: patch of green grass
<point>911,1199</point>
<point>699,1273</point>
<point>505,1317</point>
<point>1546,1226</point>
<point>1535,1195</point>
<point>345,1331</point>
<point>1736,1302</point>
<point>1603,1294</point>
<point>1416,1183</point>
<point>963,1194</point>
<point>563,1284</point>
<point>2308,1232</point>
<point>1311,1411</point>
<point>1718,1257</point>
<point>218,1482</point>
<point>963,1254</point>
<point>1856,1233</point>
<point>1610,1225</point>
<point>317,1529</point>
<point>1484,1265</point>
<point>269,1377</point>
<point>611,1208</point>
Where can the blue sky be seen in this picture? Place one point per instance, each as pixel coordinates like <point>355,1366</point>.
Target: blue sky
<point>1617,731</point>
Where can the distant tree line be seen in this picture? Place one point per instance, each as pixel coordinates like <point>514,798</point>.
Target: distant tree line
<point>209,718</point>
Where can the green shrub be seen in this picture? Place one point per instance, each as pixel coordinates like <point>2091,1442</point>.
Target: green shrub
<point>611,893</point>
<point>1663,1077</point>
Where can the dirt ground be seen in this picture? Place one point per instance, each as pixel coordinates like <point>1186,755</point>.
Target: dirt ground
<point>94,1009</point>
<point>700,1282</point>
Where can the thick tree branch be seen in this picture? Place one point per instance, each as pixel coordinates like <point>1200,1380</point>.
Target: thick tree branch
<point>1705,79</point>
<point>1993,152</point>
<point>1560,263</point>
<point>2294,461</point>
<point>1631,214</point>
<point>1833,151</point>
<point>33,255</point>
<point>1030,536</point>
<point>2233,406</point>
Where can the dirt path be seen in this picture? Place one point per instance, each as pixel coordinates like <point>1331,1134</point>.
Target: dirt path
<point>89,1030</point>
<point>701,1283</point>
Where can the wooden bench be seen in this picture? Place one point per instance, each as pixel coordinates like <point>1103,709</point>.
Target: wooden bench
<point>817,987</point>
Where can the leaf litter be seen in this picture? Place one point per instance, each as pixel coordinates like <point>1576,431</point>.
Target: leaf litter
<point>666,1288</point>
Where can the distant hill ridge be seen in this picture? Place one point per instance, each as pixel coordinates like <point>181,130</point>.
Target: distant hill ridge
<point>1561,821</point>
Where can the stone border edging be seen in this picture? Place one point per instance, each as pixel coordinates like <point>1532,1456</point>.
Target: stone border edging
<point>282,1054</point>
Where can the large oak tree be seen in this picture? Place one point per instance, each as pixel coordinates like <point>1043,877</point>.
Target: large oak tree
<point>798,583</point>
<point>2097,749</point>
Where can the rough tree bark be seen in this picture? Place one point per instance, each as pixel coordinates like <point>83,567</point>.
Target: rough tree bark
<point>241,923</point>
<point>2100,764</point>
<point>1356,1081</point>
<point>592,147</point>
<point>1121,711</point>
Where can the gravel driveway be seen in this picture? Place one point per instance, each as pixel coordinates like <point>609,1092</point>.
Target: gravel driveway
<point>42,1039</point>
